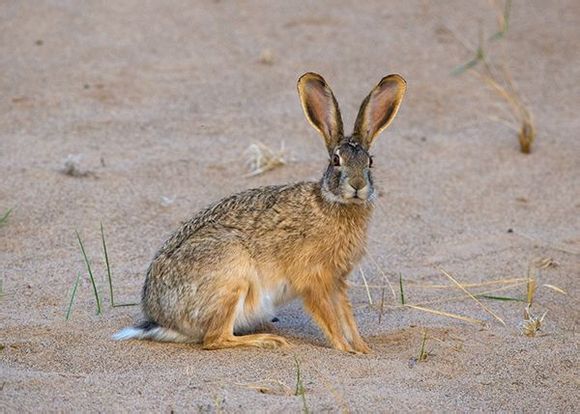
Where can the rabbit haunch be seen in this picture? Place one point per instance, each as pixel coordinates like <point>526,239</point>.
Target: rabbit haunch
<point>230,267</point>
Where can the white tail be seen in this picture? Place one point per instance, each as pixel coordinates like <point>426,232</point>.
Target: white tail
<point>151,331</point>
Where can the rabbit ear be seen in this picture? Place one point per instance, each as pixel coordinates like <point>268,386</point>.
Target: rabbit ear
<point>379,109</point>
<point>321,108</point>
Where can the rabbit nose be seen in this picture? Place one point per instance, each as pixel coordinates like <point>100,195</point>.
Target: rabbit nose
<point>357,183</point>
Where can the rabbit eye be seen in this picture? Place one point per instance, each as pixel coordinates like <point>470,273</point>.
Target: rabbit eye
<point>336,160</point>
<point>370,162</point>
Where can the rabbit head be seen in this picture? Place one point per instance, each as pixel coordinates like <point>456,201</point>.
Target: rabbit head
<point>348,178</point>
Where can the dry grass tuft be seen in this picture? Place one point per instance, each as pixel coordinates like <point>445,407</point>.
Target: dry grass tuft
<point>486,290</point>
<point>531,324</point>
<point>545,263</point>
<point>262,159</point>
<point>500,80</point>
<point>72,167</point>
<point>496,286</point>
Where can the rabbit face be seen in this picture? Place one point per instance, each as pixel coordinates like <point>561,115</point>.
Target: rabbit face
<point>348,177</point>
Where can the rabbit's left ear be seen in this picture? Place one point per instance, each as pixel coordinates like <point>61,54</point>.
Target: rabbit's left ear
<point>321,108</point>
<point>379,109</point>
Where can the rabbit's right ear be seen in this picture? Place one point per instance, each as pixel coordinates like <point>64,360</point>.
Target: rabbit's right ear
<point>321,108</point>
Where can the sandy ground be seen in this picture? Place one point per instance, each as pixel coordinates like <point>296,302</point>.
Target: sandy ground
<point>161,99</point>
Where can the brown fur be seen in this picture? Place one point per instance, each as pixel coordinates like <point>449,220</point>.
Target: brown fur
<point>247,254</point>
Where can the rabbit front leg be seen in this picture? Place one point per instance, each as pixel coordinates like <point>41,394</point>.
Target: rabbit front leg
<point>322,309</point>
<point>347,321</point>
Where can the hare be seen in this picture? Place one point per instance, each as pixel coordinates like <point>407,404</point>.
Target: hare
<point>232,265</point>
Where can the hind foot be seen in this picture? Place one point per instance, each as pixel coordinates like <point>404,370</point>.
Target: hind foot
<point>268,341</point>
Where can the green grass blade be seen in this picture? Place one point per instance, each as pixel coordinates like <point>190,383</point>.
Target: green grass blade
<point>5,216</point>
<point>422,353</point>
<point>504,298</point>
<point>300,386</point>
<point>91,277</point>
<point>108,267</point>
<point>465,67</point>
<point>401,289</point>
<point>109,277</point>
<point>72,297</point>
<point>506,22</point>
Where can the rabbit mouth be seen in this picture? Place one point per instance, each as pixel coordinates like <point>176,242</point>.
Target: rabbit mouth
<point>361,195</point>
<point>357,198</point>
<point>346,194</point>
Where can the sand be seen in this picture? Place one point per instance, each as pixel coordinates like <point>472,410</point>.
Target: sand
<point>160,100</point>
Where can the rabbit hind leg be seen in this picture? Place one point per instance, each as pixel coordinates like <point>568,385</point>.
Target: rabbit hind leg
<point>220,328</point>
